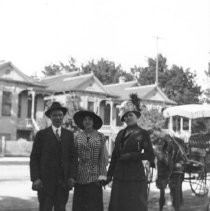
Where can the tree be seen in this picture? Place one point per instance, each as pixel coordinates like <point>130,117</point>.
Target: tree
<point>106,71</point>
<point>152,118</point>
<point>208,71</point>
<point>147,75</point>
<point>178,84</point>
<point>55,69</point>
<point>206,93</point>
<point>51,70</point>
<point>181,86</point>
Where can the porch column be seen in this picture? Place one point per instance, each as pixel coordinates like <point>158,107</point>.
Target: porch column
<point>96,105</point>
<point>111,113</point>
<point>98,102</point>
<point>85,102</point>
<point>181,124</point>
<point>190,126</point>
<point>170,123</point>
<point>32,103</point>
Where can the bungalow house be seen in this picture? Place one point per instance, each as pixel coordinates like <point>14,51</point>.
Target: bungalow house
<point>102,99</point>
<point>23,101</point>
<point>21,104</point>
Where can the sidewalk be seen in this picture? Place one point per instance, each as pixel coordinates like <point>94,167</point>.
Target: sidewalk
<point>14,160</point>
<point>18,196</point>
<point>16,193</point>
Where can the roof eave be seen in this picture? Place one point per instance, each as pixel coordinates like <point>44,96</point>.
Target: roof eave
<point>23,82</point>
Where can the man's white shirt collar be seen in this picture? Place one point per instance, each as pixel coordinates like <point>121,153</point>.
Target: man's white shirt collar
<point>55,129</point>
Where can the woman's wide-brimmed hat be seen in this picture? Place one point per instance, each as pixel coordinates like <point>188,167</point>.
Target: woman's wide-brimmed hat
<point>80,115</point>
<point>55,106</point>
<point>131,105</point>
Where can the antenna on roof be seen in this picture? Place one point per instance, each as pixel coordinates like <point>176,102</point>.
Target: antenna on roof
<point>156,69</point>
<point>156,72</point>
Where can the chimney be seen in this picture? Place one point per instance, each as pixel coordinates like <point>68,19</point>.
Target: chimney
<point>121,79</point>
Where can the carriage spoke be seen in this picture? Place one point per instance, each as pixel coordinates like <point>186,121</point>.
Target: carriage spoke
<point>198,184</point>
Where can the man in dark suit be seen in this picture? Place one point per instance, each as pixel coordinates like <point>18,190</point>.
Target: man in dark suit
<point>53,162</point>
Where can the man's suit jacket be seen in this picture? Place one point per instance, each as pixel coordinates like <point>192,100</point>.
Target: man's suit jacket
<point>45,162</point>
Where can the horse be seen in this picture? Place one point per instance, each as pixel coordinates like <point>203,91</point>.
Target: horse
<point>170,155</point>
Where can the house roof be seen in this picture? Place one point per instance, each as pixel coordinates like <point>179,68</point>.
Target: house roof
<point>26,79</point>
<point>61,77</point>
<point>117,88</point>
<point>72,81</point>
<point>148,92</point>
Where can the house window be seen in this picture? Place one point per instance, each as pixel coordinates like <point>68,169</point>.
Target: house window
<point>185,123</point>
<point>29,107</point>
<point>107,114</point>
<point>19,105</point>
<point>6,103</point>
<point>91,106</point>
<point>176,123</point>
<point>24,134</point>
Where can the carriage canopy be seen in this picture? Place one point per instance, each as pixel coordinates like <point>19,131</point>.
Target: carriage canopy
<point>191,111</point>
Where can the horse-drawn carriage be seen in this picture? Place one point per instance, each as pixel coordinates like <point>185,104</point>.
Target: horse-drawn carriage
<point>188,128</point>
<point>191,123</point>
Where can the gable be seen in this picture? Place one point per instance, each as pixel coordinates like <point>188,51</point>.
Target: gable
<point>156,95</point>
<point>8,72</point>
<point>92,85</point>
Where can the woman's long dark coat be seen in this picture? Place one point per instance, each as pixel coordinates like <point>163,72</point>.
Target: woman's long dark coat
<point>129,189</point>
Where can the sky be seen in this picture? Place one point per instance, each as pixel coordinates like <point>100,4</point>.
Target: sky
<point>37,33</point>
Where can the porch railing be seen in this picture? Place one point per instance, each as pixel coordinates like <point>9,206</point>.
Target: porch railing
<point>25,123</point>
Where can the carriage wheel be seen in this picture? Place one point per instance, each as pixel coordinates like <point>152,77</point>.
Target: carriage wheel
<point>198,183</point>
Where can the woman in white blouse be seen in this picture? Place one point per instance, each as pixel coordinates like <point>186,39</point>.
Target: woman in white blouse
<point>93,159</point>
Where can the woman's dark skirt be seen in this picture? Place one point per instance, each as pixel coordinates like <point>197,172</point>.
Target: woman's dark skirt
<point>128,196</point>
<point>88,197</point>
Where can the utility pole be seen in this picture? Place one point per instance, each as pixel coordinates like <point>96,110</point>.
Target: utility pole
<point>208,71</point>
<point>156,76</point>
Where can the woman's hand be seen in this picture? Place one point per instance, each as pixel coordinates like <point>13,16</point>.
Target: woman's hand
<point>71,183</point>
<point>108,180</point>
<point>102,180</point>
<point>37,185</point>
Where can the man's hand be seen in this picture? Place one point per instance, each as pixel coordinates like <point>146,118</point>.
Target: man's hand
<point>37,185</point>
<point>71,183</point>
<point>108,180</point>
<point>102,180</point>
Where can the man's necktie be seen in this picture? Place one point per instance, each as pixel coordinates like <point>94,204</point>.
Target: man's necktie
<point>57,135</point>
<point>58,140</point>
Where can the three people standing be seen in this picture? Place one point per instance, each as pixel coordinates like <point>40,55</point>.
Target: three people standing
<point>59,162</point>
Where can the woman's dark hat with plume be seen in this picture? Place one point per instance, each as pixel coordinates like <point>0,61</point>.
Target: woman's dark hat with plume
<point>132,105</point>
